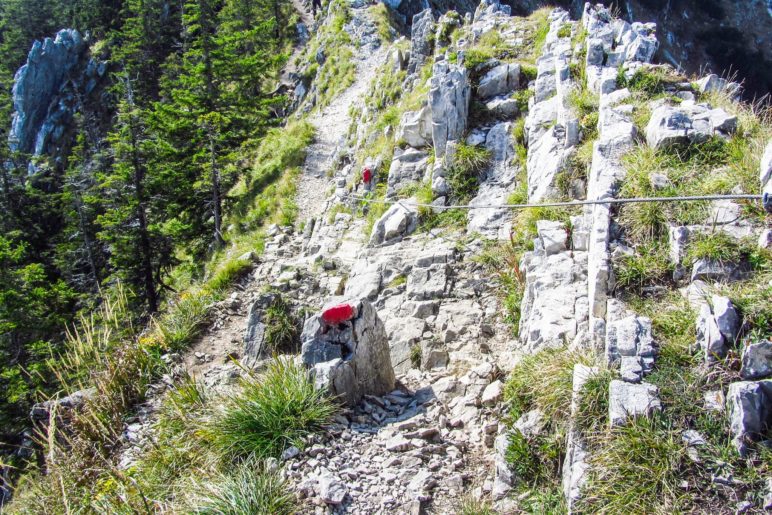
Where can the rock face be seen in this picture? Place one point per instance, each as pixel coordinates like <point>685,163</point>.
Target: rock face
<point>630,345</point>
<point>37,83</point>
<point>627,400</point>
<point>504,78</point>
<point>48,90</point>
<point>407,166</point>
<point>254,336</point>
<point>349,357</point>
<point>495,185</point>
<point>449,100</point>
<point>421,39</point>
<point>415,128</point>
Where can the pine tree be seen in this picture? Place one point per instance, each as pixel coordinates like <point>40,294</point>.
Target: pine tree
<point>138,251</point>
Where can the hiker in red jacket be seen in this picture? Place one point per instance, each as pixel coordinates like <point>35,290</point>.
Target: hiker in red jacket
<point>367,178</point>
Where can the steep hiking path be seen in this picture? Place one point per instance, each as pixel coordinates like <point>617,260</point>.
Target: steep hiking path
<point>331,125</point>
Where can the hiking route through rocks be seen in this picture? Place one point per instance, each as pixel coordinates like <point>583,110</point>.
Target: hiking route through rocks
<point>331,125</point>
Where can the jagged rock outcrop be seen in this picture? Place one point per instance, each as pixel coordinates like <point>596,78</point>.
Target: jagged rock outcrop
<point>421,40</point>
<point>348,352</point>
<point>449,100</point>
<point>750,411</point>
<point>48,91</point>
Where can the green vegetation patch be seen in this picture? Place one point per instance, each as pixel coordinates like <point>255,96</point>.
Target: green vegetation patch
<point>469,162</point>
<point>270,413</point>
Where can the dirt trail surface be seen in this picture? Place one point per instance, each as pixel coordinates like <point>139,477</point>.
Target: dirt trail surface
<point>331,124</point>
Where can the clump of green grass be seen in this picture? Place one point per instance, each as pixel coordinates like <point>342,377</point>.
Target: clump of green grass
<point>638,470</point>
<point>565,31</point>
<point>463,177</point>
<point>715,246</point>
<point>574,171</point>
<point>397,281</point>
<point>522,96</point>
<point>248,489</point>
<point>528,72</point>
<point>586,105</point>
<point>502,261</point>
<point>652,81</point>
<point>385,20</point>
<point>648,266</point>
<point>416,355</point>
<point>282,327</point>
<point>592,409</point>
<point>489,46</point>
<point>544,381</point>
<point>270,413</point>
<point>471,506</point>
<point>673,326</point>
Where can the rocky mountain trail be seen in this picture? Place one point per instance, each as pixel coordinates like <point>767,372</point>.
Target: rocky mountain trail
<point>404,321</point>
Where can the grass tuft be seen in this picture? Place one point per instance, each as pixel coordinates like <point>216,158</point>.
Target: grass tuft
<point>270,413</point>
<point>248,489</point>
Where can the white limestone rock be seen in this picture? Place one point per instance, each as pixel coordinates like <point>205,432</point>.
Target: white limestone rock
<point>415,127</point>
<point>501,79</point>
<point>628,400</point>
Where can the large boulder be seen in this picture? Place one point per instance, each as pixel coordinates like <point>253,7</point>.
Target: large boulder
<point>449,101</point>
<point>347,350</point>
<point>688,123</point>
<point>398,221</point>
<point>415,128</point>
<point>502,79</point>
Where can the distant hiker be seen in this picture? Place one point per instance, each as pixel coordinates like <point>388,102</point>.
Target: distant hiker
<point>315,4</point>
<point>367,178</point>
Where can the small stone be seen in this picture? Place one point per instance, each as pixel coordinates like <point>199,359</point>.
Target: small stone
<point>331,490</point>
<point>289,453</point>
<point>659,181</point>
<point>693,438</point>
<point>492,393</point>
<point>398,444</point>
<point>714,400</point>
<point>422,481</point>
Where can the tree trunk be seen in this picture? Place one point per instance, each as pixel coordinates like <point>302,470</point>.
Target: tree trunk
<point>216,201</point>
